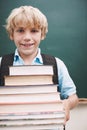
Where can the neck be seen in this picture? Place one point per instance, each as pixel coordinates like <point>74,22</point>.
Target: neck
<point>28,59</point>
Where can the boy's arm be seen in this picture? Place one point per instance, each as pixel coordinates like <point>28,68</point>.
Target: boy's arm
<point>69,104</point>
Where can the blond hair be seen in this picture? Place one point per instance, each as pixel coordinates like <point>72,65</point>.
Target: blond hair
<point>27,16</point>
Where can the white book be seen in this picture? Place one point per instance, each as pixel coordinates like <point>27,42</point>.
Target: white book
<point>35,115</point>
<point>31,70</point>
<point>33,127</point>
<point>31,107</point>
<point>31,122</point>
<point>28,89</point>
<point>29,98</point>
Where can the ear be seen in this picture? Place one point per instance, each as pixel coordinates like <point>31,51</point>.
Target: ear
<point>11,37</point>
<point>42,38</point>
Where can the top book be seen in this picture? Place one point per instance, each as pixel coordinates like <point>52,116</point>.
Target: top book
<point>31,70</point>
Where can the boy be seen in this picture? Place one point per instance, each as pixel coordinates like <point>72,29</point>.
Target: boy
<point>27,26</point>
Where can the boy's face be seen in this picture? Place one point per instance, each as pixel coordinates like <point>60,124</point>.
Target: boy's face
<point>26,40</point>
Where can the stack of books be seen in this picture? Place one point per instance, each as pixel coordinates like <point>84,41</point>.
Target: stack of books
<point>29,100</point>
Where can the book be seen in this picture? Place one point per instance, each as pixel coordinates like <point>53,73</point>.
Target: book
<point>28,80</point>
<point>24,89</point>
<point>32,122</point>
<point>31,70</point>
<point>30,103</point>
<point>33,115</point>
<point>30,107</point>
<point>34,127</point>
<point>29,98</point>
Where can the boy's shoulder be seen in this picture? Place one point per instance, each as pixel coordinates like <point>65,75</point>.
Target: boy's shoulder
<point>8,58</point>
<point>48,58</point>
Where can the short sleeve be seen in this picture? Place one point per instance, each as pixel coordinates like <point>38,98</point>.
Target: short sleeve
<point>66,84</point>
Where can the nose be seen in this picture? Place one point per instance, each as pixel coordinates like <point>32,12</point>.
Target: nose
<point>27,36</point>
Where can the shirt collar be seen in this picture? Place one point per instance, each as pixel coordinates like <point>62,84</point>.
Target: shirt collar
<point>16,56</point>
<point>37,59</point>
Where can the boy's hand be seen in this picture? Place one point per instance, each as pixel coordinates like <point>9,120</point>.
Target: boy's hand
<point>69,103</point>
<point>66,109</point>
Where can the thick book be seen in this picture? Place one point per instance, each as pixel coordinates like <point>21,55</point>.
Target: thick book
<point>29,98</point>
<point>33,127</point>
<point>26,89</point>
<point>28,80</point>
<point>31,70</point>
<point>31,107</point>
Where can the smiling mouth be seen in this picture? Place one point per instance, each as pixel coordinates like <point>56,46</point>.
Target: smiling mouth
<point>27,45</point>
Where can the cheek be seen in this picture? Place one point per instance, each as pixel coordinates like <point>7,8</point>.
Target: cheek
<point>38,39</point>
<point>17,39</point>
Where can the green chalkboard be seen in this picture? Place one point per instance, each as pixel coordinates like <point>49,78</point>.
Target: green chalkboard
<point>67,36</point>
